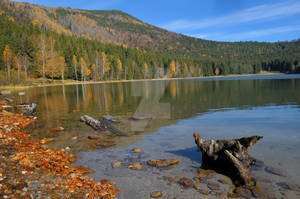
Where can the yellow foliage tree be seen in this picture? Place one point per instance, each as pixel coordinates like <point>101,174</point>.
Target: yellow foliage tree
<point>119,67</point>
<point>172,69</point>
<point>8,59</point>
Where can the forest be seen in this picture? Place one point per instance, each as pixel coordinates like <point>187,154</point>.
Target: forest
<point>38,45</point>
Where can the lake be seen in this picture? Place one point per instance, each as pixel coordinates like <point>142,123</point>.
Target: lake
<point>217,108</point>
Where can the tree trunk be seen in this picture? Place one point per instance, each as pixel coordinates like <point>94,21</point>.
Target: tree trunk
<point>100,125</point>
<point>229,157</point>
<point>75,70</point>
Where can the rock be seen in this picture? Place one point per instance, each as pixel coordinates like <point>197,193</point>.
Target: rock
<point>116,164</point>
<point>186,182</point>
<point>203,172</point>
<point>204,191</point>
<point>222,195</point>
<point>94,137</point>
<point>142,117</point>
<point>137,150</point>
<point>156,194</point>
<point>21,93</point>
<point>110,119</point>
<point>213,185</point>
<point>225,180</point>
<point>5,92</point>
<point>74,138</point>
<point>288,186</point>
<point>136,167</point>
<point>261,179</point>
<point>257,192</point>
<point>275,171</point>
<point>57,129</point>
<point>163,162</point>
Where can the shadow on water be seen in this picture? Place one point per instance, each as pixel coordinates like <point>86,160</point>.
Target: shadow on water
<point>191,153</point>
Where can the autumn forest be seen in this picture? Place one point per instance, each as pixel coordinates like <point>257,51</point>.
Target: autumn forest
<point>61,43</point>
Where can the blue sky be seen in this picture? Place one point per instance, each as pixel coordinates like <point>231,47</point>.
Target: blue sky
<point>221,20</point>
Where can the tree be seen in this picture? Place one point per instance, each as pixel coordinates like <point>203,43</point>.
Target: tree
<point>119,67</point>
<point>172,69</point>
<point>61,65</point>
<point>8,59</point>
<point>74,60</point>
<point>146,70</point>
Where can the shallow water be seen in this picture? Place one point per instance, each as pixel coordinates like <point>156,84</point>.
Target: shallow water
<point>217,108</point>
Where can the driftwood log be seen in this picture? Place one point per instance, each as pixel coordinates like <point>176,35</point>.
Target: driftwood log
<point>229,157</point>
<point>100,125</point>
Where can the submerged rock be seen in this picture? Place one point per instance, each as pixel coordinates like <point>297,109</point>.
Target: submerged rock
<point>288,186</point>
<point>163,162</point>
<point>186,182</point>
<point>276,171</point>
<point>94,137</point>
<point>213,185</point>
<point>137,150</point>
<point>116,164</point>
<point>156,194</point>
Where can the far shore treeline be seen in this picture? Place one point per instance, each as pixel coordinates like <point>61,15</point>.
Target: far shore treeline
<point>30,50</point>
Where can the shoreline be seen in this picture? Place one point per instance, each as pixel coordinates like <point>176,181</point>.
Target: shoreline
<point>74,82</point>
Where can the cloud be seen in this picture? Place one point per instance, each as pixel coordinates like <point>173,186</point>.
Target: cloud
<point>249,35</point>
<point>259,13</point>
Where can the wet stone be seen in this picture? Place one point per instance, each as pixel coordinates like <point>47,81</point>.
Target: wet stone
<point>213,185</point>
<point>137,150</point>
<point>186,182</point>
<point>204,191</point>
<point>156,194</point>
<point>163,162</point>
<point>275,171</point>
<point>288,186</point>
<point>94,137</point>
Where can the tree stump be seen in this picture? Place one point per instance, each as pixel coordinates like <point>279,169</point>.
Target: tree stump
<point>229,157</point>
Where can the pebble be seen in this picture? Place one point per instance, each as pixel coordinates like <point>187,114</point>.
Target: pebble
<point>94,137</point>
<point>204,191</point>
<point>156,194</point>
<point>186,182</point>
<point>275,171</point>
<point>137,150</point>
<point>287,186</point>
<point>116,164</point>
<point>213,185</point>
<point>163,162</point>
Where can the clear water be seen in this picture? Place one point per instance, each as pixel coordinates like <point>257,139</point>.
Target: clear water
<point>217,108</point>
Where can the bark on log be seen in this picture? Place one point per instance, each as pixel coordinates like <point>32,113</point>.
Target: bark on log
<point>229,157</point>
<point>100,125</point>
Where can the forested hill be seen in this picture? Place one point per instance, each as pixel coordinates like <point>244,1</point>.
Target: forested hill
<point>115,45</point>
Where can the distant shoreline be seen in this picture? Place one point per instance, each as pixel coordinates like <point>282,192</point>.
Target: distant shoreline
<point>73,82</point>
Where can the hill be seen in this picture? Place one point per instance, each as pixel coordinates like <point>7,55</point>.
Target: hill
<point>150,47</point>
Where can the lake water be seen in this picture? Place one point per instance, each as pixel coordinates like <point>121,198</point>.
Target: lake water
<point>217,108</point>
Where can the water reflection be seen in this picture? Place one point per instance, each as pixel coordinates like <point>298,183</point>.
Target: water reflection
<point>167,101</point>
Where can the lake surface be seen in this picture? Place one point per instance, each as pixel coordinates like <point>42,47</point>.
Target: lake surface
<point>217,108</point>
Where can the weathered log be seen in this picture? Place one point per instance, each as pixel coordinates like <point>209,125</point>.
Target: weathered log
<point>100,125</point>
<point>28,109</point>
<point>229,157</point>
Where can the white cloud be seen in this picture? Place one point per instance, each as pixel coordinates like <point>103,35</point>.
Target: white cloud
<point>259,13</point>
<point>249,35</point>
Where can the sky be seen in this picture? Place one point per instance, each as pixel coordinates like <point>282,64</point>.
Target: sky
<point>220,20</point>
